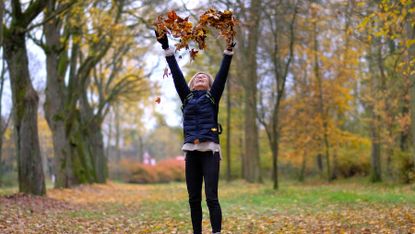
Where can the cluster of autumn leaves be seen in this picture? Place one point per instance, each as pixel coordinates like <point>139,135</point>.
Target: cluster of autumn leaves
<point>184,30</point>
<point>131,208</point>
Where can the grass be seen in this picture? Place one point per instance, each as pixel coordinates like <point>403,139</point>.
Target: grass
<point>8,190</point>
<point>345,205</point>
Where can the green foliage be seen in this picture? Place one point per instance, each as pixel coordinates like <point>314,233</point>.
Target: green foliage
<point>404,165</point>
<point>349,168</point>
<point>353,162</point>
<point>8,178</point>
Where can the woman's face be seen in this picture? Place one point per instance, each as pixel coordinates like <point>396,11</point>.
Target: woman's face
<point>201,82</point>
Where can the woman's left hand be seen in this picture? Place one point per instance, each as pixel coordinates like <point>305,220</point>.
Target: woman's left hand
<point>231,45</point>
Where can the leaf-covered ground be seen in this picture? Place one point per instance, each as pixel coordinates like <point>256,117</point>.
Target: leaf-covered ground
<point>342,207</point>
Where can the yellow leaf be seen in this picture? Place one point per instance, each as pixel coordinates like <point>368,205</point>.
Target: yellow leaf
<point>409,43</point>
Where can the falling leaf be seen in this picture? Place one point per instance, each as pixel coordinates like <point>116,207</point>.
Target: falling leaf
<point>166,72</point>
<point>158,100</point>
<point>193,54</point>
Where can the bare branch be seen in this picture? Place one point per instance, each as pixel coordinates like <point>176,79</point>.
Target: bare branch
<point>61,10</point>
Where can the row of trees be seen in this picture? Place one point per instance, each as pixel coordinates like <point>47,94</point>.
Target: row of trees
<point>323,80</point>
<point>317,82</point>
<point>92,63</point>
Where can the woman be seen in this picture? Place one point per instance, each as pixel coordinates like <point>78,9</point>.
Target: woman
<point>200,99</point>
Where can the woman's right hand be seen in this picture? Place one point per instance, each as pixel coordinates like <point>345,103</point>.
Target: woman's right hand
<point>163,40</point>
<point>231,46</point>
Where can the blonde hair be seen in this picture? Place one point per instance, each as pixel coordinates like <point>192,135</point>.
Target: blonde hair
<point>190,84</point>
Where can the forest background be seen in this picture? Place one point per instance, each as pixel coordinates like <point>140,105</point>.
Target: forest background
<point>317,90</point>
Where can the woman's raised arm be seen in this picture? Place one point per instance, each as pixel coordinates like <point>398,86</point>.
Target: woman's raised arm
<point>219,84</point>
<point>178,78</point>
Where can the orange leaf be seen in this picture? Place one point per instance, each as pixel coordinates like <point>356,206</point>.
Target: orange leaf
<point>193,54</point>
<point>158,100</point>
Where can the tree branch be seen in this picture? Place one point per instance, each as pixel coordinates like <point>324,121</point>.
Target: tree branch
<point>31,12</point>
<point>62,9</point>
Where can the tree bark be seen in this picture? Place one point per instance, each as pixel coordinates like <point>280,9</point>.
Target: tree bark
<point>321,99</point>
<point>1,86</point>
<point>117,133</point>
<point>303,166</point>
<point>81,123</point>
<point>252,171</point>
<point>275,152</point>
<point>97,148</point>
<point>410,31</point>
<point>387,122</point>
<point>404,135</point>
<point>319,162</point>
<point>228,129</point>
<point>375,119</point>
<point>25,103</point>
<point>56,93</point>
<point>91,125</point>
<point>82,160</point>
<point>335,169</point>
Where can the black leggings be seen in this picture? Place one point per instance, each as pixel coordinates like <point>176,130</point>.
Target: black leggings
<point>205,165</point>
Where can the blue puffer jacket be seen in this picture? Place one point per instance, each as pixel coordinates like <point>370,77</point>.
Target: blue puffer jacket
<point>200,108</point>
<point>200,117</point>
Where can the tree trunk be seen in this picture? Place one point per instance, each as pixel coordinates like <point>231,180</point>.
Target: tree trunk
<point>56,64</point>
<point>96,144</point>
<point>241,144</point>
<point>228,129</point>
<point>319,161</point>
<point>410,32</point>
<point>82,162</point>
<point>375,155</point>
<point>387,122</point>
<point>91,125</point>
<point>303,167</point>
<point>321,99</point>
<point>82,159</point>
<point>2,129</point>
<point>275,160</point>
<point>25,103</point>
<point>1,23</point>
<point>252,161</point>
<point>335,170</point>
<point>117,133</point>
<point>1,86</point>
<point>375,120</point>
<point>109,137</point>
<point>404,135</point>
